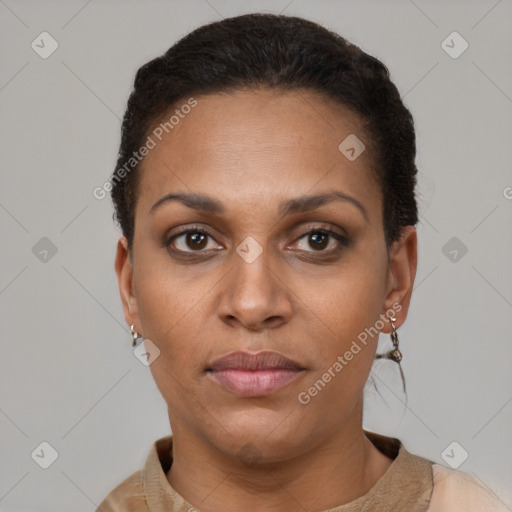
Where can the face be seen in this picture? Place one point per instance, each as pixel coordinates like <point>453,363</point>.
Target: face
<point>281,249</point>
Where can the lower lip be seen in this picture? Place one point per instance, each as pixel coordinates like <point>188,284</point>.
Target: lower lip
<point>255,383</point>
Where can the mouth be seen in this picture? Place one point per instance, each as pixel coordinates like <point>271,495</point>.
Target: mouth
<point>251,375</point>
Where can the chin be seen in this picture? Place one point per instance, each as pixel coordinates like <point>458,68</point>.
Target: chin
<point>258,435</point>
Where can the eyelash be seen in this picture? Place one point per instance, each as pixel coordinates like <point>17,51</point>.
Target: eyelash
<point>341,239</point>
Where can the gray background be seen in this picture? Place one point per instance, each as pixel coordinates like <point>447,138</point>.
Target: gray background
<point>67,372</point>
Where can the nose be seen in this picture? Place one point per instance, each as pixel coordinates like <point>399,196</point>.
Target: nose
<point>255,296</point>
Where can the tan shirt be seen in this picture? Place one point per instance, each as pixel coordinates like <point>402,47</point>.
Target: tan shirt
<point>411,484</point>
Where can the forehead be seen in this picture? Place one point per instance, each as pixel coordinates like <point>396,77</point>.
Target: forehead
<point>254,144</point>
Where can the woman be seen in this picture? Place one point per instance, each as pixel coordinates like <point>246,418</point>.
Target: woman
<point>265,191</point>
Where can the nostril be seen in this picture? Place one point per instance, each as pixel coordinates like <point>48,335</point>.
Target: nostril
<point>272,319</point>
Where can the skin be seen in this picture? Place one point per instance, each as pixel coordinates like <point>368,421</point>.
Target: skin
<point>251,151</point>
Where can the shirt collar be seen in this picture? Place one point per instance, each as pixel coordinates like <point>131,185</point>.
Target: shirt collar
<point>406,485</point>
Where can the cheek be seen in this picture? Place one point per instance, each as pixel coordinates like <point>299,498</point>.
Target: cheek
<point>173,316</point>
<point>349,302</point>
<point>164,300</point>
<point>176,330</point>
<point>344,354</point>
<point>345,323</point>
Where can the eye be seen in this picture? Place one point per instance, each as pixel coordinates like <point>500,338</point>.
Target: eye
<point>191,240</point>
<point>197,240</point>
<point>322,240</point>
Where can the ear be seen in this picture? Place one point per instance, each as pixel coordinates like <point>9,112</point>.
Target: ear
<point>124,271</point>
<point>403,258</point>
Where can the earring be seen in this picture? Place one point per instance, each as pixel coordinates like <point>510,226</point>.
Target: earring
<point>135,335</point>
<point>394,354</point>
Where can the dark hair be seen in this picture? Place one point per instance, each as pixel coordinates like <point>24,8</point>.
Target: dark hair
<point>285,53</point>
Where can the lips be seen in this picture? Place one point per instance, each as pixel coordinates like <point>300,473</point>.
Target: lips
<point>248,374</point>
<point>266,360</point>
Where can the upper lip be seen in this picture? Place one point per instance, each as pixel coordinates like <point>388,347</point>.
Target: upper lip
<point>264,360</point>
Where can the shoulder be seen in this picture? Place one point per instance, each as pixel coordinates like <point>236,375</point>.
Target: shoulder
<point>455,491</point>
<point>133,493</point>
<point>128,496</point>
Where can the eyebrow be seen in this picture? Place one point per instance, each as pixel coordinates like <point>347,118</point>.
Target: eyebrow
<point>300,204</point>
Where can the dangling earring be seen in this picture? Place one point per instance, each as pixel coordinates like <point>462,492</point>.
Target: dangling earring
<point>135,335</point>
<point>394,354</point>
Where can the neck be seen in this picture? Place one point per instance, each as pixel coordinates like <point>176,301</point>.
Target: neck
<point>330,473</point>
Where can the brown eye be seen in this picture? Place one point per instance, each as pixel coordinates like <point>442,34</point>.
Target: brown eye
<point>189,241</point>
<point>319,240</point>
<point>196,240</point>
